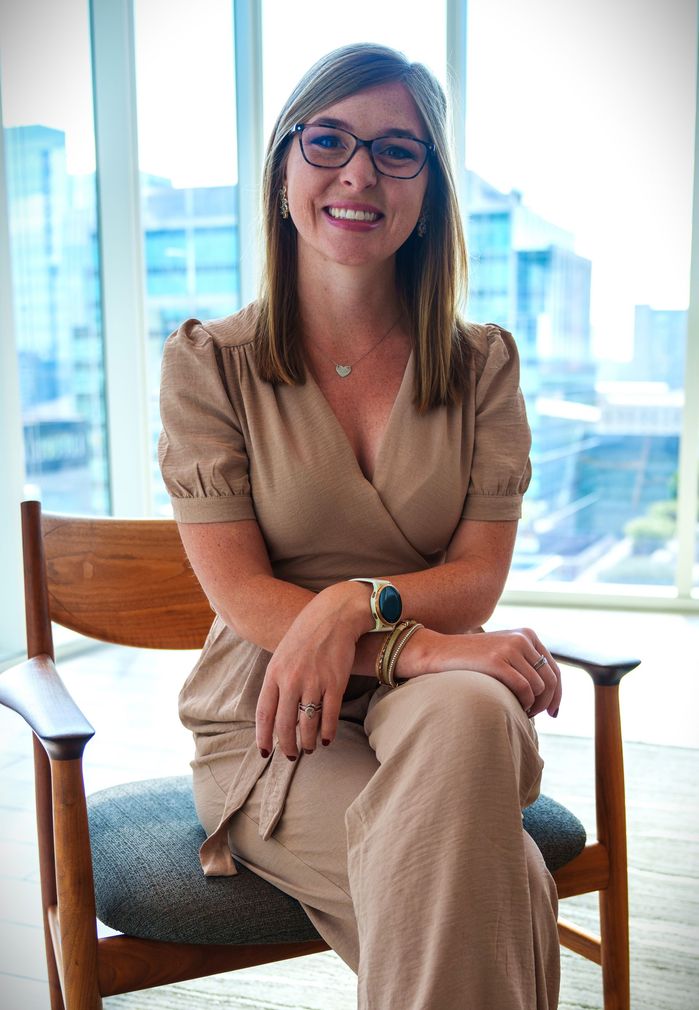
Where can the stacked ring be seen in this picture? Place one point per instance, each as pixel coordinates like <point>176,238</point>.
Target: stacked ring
<point>310,708</point>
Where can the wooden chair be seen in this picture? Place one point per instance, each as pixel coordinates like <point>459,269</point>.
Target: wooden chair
<point>128,582</point>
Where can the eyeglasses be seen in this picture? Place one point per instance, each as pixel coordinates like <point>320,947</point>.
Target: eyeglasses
<point>331,147</point>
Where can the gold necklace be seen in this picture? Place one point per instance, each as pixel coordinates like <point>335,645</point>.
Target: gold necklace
<point>344,370</point>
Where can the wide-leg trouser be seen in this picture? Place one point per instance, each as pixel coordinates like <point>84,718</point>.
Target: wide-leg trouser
<point>403,841</point>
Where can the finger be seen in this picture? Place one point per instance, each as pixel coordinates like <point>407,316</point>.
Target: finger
<point>265,715</point>
<point>555,702</point>
<point>330,715</point>
<point>550,699</point>
<point>309,722</point>
<point>526,671</point>
<point>519,684</point>
<point>543,663</point>
<point>285,723</point>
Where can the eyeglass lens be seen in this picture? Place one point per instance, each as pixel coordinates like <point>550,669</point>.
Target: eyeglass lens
<point>329,147</point>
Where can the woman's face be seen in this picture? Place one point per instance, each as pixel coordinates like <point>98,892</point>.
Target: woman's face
<point>319,197</point>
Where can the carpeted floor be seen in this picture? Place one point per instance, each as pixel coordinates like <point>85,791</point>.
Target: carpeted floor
<point>663,823</point>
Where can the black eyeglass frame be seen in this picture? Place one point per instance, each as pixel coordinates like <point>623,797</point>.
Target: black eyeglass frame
<point>298,129</point>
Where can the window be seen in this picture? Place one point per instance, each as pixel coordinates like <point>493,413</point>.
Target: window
<point>50,156</point>
<point>188,167</point>
<point>306,22</point>
<point>578,211</point>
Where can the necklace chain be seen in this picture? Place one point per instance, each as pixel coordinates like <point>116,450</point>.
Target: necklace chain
<point>344,370</point>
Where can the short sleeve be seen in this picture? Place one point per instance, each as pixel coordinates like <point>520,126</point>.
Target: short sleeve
<point>500,469</point>
<point>201,450</point>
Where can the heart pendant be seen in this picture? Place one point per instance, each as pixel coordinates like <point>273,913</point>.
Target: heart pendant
<point>343,370</point>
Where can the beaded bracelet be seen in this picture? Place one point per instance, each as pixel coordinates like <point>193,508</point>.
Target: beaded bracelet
<point>398,648</point>
<point>386,649</point>
<point>384,661</point>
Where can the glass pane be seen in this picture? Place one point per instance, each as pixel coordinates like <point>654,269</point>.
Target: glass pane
<point>695,579</point>
<point>389,23</point>
<point>188,164</point>
<point>50,151</point>
<point>578,212</point>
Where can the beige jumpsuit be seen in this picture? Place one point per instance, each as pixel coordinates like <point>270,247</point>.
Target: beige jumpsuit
<point>403,840</point>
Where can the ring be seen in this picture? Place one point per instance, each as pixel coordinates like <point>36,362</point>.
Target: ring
<point>541,661</point>
<point>310,708</point>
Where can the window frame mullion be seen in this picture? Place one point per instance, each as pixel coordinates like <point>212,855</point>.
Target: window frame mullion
<point>688,485</point>
<point>120,238</point>
<point>12,638</point>
<point>247,28</point>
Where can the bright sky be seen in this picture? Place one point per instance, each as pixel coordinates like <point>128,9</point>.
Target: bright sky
<point>585,106</point>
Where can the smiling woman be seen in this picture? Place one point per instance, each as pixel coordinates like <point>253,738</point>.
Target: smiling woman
<point>356,454</point>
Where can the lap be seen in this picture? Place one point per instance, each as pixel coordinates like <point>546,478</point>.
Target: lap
<point>414,717</point>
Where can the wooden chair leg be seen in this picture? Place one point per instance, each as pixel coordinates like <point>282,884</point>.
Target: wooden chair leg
<point>614,929</point>
<point>47,865</point>
<point>611,831</point>
<point>76,929</point>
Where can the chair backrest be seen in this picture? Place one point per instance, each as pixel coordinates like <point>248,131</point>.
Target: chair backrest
<point>125,581</point>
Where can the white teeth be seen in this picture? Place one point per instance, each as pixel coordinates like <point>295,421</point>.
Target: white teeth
<point>352,215</point>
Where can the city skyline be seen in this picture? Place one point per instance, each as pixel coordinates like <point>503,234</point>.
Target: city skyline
<point>604,451</point>
<point>599,152</point>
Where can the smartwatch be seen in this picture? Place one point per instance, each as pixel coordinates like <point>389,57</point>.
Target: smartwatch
<point>385,602</point>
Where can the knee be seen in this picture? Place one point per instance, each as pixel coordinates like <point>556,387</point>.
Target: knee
<point>463,701</point>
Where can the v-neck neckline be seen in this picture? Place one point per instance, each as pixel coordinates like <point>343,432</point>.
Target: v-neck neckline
<point>407,373</point>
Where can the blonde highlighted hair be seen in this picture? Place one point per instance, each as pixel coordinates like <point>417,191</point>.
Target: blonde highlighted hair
<point>431,272</point>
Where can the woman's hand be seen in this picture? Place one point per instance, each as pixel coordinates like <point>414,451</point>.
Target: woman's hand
<point>312,663</point>
<point>508,656</point>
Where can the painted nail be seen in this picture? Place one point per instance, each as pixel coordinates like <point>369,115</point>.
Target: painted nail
<point>325,742</point>
<point>306,750</point>
<point>264,753</point>
<point>555,714</point>
<point>291,757</point>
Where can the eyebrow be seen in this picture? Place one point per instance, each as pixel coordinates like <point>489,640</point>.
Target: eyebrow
<point>389,131</point>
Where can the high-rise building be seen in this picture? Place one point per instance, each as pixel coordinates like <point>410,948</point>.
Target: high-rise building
<point>658,346</point>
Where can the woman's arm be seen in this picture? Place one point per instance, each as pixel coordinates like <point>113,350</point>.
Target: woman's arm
<point>319,639</point>
<point>231,562</point>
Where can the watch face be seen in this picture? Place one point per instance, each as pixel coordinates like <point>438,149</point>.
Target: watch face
<point>390,604</point>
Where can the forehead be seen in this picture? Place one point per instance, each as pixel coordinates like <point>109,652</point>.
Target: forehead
<point>375,111</point>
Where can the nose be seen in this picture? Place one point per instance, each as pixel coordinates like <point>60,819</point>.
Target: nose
<point>359,171</point>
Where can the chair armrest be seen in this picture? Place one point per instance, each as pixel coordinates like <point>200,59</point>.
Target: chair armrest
<point>35,691</point>
<point>605,668</point>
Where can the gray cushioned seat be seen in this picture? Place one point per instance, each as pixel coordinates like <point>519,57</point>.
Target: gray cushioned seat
<point>148,881</point>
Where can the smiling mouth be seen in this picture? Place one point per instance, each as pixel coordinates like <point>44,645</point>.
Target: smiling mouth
<point>345,214</point>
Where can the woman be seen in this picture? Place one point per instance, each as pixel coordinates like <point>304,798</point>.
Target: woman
<point>347,431</point>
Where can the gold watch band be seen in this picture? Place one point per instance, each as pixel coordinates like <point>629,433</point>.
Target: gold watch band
<point>380,623</point>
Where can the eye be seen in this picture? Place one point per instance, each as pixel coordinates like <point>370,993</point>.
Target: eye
<point>393,150</point>
<point>324,139</point>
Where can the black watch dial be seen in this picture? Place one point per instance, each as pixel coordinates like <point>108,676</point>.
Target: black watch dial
<point>390,604</point>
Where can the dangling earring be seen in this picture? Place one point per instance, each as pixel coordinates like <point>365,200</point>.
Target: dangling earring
<point>422,226</point>
<point>283,203</point>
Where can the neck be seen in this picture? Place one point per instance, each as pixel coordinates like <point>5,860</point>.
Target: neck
<point>347,308</point>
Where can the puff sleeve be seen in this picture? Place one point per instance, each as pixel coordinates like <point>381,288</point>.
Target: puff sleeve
<point>201,450</point>
<point>500,468</point>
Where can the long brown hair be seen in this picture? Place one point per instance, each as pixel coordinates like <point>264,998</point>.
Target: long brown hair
<point>431,271</point>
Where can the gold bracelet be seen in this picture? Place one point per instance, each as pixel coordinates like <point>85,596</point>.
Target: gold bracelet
<point>398,648</point>
<point>388,652</point>
<point>385,649</point>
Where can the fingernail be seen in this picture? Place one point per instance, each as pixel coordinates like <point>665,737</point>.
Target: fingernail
<point>555,714</point>
<point>291,757</point>
<point>306,750</point>
<point>264,753</point>
<point>325,742</point>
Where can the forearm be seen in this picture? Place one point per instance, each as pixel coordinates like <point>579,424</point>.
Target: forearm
<point>261,609</point>
<point>453,598</point>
